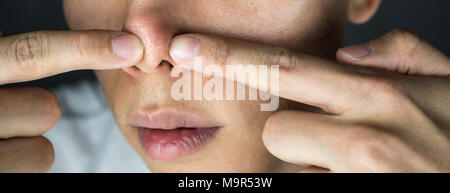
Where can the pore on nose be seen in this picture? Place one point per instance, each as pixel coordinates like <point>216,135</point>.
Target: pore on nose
<point>155,33</point>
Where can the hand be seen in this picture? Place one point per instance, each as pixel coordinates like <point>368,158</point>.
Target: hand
<point>375,120</point>
<point>26,113</point>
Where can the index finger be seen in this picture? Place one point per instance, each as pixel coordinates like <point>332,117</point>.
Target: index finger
<point>303,78</point>
<point>40,54</point>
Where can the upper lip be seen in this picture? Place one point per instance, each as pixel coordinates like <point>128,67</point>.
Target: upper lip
<point>168,119</point>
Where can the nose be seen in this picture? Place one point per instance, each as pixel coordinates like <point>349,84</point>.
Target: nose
<point>152,26</point>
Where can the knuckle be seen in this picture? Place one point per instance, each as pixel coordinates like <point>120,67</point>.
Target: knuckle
<point>373,149</point>
<point>383,89</point>
<point>404,36</point>
<point>26,51</point>
<point>366,146</point>
<point>221,52</point>
<point>406,42</point>
<point>282,57</point>
<point>78,43</point>
<point>87,46</point>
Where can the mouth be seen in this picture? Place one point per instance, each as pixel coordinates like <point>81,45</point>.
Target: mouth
<point>171,135</point>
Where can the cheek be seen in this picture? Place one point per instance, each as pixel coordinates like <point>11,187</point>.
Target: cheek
<point>117,89</point>
<point>106,79</point>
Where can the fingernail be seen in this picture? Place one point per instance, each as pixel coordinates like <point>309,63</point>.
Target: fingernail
<point>127,46</point>
<point>358,52</point>
<point>184,48</point>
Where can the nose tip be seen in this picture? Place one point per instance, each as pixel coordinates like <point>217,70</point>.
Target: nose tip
<point>155,33</point>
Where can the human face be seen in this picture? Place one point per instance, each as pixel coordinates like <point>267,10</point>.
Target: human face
<point>224,136</point>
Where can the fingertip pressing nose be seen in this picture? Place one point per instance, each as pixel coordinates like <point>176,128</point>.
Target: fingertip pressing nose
<point>127,46</point>
<point>184,48</point>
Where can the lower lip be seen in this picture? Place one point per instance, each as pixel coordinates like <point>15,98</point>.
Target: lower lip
<point>170,145</point>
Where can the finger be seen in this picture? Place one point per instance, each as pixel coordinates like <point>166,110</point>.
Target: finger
<point>36,55</point>
<point>400,51</point>
<point>331,142</point>
<point>314,169</point>
<point>26,155</point>
<point>27,112</point>
<point>303,78</point>
<point>304,138</point>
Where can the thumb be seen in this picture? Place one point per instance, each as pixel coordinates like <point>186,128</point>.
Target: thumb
<point>399,51</point>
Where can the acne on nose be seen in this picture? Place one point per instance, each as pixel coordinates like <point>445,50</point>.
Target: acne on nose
<point>155,32</point>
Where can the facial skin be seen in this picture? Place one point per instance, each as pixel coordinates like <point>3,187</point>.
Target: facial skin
<point>312,26</point>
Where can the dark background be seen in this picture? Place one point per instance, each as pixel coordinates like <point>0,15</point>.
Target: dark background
<point>428,18</point>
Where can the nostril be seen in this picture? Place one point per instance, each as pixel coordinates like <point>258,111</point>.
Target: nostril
<point>162,64</point>
<point>137,73</point>
<point>165,63</point>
